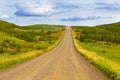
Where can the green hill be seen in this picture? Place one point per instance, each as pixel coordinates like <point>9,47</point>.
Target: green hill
<point>101,46</point>
<point>7,27</point>
<point>17,39</point>
<point>108,32</point>
<point>20,43</point>
<point>43,27</point>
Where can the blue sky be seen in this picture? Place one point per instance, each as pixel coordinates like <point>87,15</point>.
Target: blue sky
<point>63,12</point>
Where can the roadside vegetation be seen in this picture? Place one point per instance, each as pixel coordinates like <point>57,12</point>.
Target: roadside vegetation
<point>20,43</point>
<point>101,46</point>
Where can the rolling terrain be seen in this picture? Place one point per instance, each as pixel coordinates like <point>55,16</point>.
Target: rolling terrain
<point>61,63</point>
<point>20,43</point>
<point>101,46</point>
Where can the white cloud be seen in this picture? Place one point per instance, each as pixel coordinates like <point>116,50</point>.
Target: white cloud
<point>43,8</point>
<point>39,8</point>
<point>4,16</point>
<point>51,11</point>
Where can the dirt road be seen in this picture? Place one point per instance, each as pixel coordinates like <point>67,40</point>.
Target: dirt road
<point>62,63</point>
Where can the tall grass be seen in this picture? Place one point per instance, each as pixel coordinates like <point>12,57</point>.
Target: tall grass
<point>7,60</point>
<point>108,67</point>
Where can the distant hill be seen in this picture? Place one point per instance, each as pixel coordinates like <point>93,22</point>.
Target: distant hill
<point>114,27</point>
<point>111,25</point>
<point>43,27</point>
<point>26,32</point>
<point>107,32</point>
<point>7,27</point>
<point>14,38</point>
<point>20,43</point>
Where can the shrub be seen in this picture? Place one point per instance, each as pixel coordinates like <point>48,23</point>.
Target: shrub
<point>1,49</point>
<point>103,51</point>
<point>49,33</point>
<point>5,44</point>
<point>6,40</point>
<point>39,47</point>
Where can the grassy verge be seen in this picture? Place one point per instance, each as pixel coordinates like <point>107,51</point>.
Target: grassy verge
<point>57,42</point>
<point>110,68</point>
<point>7,60</point>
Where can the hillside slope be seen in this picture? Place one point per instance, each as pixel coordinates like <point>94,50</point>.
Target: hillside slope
<point>101,46</point>
<point>108,32</point>
<point>17,40</point>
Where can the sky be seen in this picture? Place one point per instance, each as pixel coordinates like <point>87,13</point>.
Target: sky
<point>60,12</point>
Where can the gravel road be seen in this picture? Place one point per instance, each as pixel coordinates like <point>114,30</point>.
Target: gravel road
<point>61,63</point>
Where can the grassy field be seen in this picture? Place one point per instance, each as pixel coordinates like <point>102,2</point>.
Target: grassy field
<point>18,43</point>
<point>104,55</point>
<point>7,60</point>
<point>109,52</point>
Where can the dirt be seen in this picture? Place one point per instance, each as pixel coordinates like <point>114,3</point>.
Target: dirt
<point>61,63</point>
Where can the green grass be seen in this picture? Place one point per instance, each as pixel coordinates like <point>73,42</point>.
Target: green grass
<point>111,52</point>
<point>7,60</point>
<point>105,57</point>
<point>20,43</point>
<point>4,36</point>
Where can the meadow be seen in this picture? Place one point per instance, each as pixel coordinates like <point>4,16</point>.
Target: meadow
<point>101,51</point>
<point>20,43</point>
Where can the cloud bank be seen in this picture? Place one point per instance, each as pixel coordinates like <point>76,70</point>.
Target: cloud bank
<point>35,9</point>
<point>41,9</point>
<point>83,18</point>
<point>72,12</point>
<point>108,6</point>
